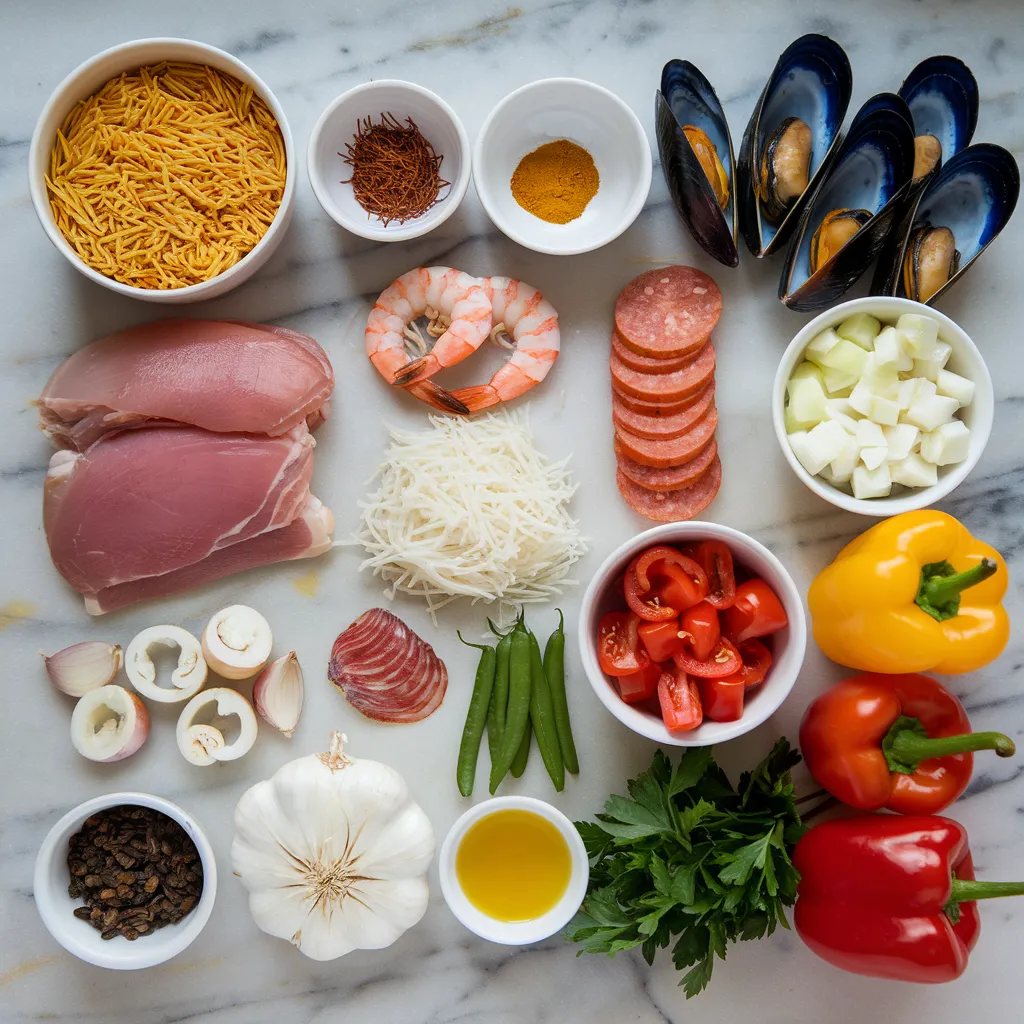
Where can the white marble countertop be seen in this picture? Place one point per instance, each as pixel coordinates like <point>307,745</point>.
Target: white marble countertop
<point>321,281</point>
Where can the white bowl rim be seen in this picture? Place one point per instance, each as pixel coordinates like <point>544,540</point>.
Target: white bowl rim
<point>641,190</point>
<point>514,933</point>
<point>427,221</point>
<point>192,292</point>
<point>644,724</point>
<point>120,955</point>
<point>911,500</point>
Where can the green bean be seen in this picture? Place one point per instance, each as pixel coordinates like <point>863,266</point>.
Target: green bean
<point>554,669</point>
<point>476,717</point>
<point>542,718</point>
<point>519,761</point>
<point>518,715</point>
<point>499,698</point>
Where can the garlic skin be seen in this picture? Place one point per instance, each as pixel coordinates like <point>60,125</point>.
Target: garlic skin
<point>204,744</point>
<point>237,642</point>
<point>186,680</point>
<point>278,693</point>
<point>82,668</point>
<point>334,854</point>
<point>109,724</point>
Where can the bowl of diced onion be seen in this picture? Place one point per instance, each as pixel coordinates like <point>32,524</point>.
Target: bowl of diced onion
<point>882,405</point>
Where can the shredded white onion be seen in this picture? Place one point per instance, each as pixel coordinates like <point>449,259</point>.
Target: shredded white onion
<point>471,508</point>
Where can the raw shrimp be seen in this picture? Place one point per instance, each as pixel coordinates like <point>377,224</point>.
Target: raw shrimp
<point>450,298</point>
<point>533,324</point>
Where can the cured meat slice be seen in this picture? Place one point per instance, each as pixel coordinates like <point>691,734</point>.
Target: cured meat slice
<point>225,376</point>
<point>647,364</point>
<point>668,452</point>
<point>662,424</point>
<point>652,408</point>
<point>146,503</point>
<point>666,388</point>
<point>668,313</point>
<point>386,671</point>
<point>672,506</point>
<point>669,479</point>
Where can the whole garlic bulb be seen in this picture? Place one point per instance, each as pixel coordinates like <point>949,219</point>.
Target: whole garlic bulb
<point>334,853</point>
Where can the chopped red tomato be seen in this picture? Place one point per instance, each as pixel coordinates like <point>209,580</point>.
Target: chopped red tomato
<point>757,659</point>
<point>700,629</point>
<point>680,701</point>
<point>662,639</point>
<point>618,644</point>
<point>639,686</point>
<point>724,660</point>
<point>722,699</point>
<point>756,611</point>
<point>662,582</point>
<point>715,558</point>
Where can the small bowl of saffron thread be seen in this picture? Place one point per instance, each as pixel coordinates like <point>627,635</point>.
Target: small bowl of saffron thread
<point>389,160</point>
<point>562,166</point>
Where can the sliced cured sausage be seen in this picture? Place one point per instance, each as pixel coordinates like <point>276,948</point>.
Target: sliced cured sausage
<point>668,452</point>
<point>647,364</point>
<point>662,424</point>
<point>665,388</point>
<point>672,506</point>
<point>386,671</point>
<point>667,313</point>
<point>669,479</point>
<point>653,408</point>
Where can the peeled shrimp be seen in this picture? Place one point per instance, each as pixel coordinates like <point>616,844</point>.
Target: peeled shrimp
<point>448,296</point>
<point>533,324</point>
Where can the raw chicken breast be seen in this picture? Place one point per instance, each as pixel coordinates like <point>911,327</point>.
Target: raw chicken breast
<point>162,506</point>
<point>222,375</point>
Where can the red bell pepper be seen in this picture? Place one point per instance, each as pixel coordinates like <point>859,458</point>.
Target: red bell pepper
<point>755,611</point>
<point>724,660</point>
<point>722,699</point>
<point>661,639</point>
<point>680,701</point>
<point>700,629</point>
<point>897,741</point>
<point>618,644</point>
<point>662,582</point>
<point>891,897</point>
<point>757,660</point>
<point>639,686</point>
<point>715,558</point>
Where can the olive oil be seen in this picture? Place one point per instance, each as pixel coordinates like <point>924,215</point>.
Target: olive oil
<point>513,865</point>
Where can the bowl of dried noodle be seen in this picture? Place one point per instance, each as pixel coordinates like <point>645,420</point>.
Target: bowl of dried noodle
<point>163,169</point>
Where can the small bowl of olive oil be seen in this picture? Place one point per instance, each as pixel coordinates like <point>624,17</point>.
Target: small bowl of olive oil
<point>513,870</point>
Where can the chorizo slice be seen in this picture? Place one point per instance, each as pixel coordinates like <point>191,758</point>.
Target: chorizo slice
<point>672,506</point>
<point>665,453</point>
<point>660,423</point>
<point>672,478</point>
<point>665,388</point>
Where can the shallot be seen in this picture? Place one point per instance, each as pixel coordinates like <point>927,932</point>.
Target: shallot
<point>188,677</point>
<point>237,642</point>
<point>109,724</point>
<point>278,693</point>
<point>82,668</point>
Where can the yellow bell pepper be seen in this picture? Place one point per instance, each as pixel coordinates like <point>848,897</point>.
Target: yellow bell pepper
<point>916,593</point>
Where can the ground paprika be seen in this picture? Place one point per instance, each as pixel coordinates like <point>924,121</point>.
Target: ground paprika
<point>556,181</point>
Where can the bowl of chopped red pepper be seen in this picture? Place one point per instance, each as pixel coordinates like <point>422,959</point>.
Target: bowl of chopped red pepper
<point>692,633</point>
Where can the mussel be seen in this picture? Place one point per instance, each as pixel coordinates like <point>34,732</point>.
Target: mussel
<point>791,139</point>
<point>930,261</point>
<point>927,155</point>
<point>696,157</point>
<point>845,224</point>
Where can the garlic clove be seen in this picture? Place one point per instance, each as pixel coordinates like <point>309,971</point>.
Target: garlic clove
<point>82,668</point>
<point>237,642</point>
<point>278,693</point>
<point>188,677</point>
<point>109,724</point>
<point>203,743</point>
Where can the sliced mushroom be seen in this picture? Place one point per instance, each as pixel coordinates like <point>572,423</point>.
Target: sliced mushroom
<point>237,642</point>
<point>109,724</point>
<point>186,680</point>
<point>203,743</point>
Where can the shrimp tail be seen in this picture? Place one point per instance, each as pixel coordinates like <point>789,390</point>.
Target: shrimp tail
<point>477,397</point>
<point>409,373</point>
<point>438,397</point>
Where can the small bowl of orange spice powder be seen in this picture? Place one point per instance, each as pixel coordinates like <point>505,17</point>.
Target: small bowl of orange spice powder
<point>163,169</point>
<point>562,166</point>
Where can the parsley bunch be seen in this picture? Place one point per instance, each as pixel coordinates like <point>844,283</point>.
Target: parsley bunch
<point>692,860</point>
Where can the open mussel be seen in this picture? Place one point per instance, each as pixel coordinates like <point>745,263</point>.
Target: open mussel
<point>963,208</point>
<point>697,158</point>
<point>791,139</point>
<point>849,215</point>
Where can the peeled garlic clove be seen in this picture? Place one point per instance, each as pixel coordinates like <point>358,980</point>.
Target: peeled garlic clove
<point>237,642</point>
<point>82,668</point>
<point>203,743</point>
<point>109,724</point>
<point>186,680</point>
<point>278,693</point>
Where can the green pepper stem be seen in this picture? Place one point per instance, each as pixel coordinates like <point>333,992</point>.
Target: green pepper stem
<point>941,586</point>
<point>906,745</point>
<point>965,890</point>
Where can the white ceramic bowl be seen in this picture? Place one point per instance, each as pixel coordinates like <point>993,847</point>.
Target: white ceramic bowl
<point>336,126</point>
<point>86,79</point>
<point>56,907</point>
<point>514,933</point>
<point>965,360</point>
<point>788,644</point>
<point>590,116</point>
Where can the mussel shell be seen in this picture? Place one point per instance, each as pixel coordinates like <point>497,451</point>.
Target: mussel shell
<point>794,135</point>
<point>812,80</point>
<point>973,194</point>
<point>849,222</point>
<point>924,244</point>
<point>872,172</point>
<point>686,97</point>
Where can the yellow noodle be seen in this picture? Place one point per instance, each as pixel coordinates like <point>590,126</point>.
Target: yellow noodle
<point>167,176</point>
